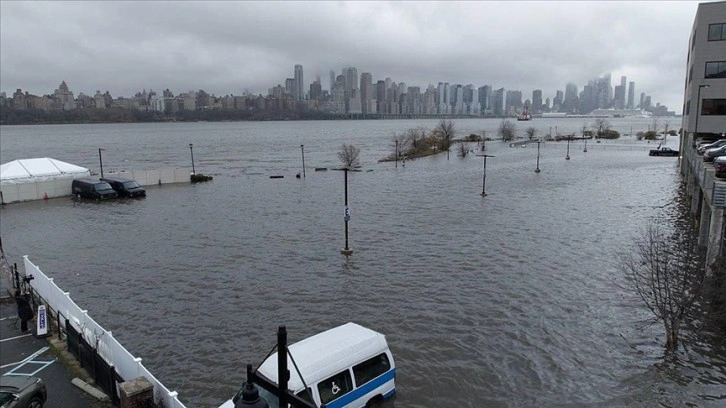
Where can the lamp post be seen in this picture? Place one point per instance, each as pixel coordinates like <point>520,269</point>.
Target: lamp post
<point>396,153</point>
<point>537,169</point>
<point>346,251</point>
<point>584,137</point>
<point>484,177</point>
<point>568,148</point>
<point>100,160</point>
<point>302,150</point>
<point>191,150</point>
<point>698,113</point>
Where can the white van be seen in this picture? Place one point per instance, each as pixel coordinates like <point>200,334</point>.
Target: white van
<point>348,366</point>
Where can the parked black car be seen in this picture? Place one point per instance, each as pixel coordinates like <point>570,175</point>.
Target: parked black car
<point>22,392</point>
<point>663,151</point>
<point>92,188</point>
<point>125,187</point>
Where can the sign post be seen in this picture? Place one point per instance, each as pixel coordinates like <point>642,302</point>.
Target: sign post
<point>41,329</point>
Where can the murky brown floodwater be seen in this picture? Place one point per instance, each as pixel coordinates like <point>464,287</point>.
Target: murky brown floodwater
<point>506,301</point>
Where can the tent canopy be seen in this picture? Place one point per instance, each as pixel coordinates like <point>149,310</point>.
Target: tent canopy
<point>41,168</point>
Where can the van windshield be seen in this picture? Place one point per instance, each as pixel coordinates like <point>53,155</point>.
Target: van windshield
<point>131,184</point>
<point>102,186</point>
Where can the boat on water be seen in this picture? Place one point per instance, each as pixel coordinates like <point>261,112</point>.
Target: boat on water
<point>525,115</point>
<point>344,367</point>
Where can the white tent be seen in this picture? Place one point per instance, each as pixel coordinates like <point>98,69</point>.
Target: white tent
<point>35,179</point>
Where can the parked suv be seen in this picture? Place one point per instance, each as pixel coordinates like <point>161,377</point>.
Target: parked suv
<point>719,164</point>
<point>125,187</point>
<point>92,188</point>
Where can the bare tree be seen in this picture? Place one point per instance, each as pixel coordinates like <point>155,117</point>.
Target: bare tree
<point>401,142</point>
<point>444,132</point>
<point>507,130</point>
<point>667,272</point>
<point>348,155</point>
<point>600,126</point>
<point>531,131</point>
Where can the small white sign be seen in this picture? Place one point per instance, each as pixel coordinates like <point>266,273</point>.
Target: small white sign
<point>42,322</point>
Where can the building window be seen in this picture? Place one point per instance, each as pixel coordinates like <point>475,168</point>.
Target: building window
<point>713,107</point>
<point>688,108</point>
<point>690,74</point>
<point>715,69</point>
<point>717,32</point>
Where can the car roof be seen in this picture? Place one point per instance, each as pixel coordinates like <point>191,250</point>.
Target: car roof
<point>120,179</point>
<point>90,180</point>
<point>327,353</point>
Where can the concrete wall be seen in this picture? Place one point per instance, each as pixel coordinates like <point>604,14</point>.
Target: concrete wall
<point>61,187</point>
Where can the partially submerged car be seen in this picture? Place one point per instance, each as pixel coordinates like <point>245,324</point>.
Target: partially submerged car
<point>125,187</point>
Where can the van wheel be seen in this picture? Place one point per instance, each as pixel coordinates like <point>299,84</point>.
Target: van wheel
<point>375,401</point>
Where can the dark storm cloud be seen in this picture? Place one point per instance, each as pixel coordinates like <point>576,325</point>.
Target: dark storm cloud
<point>227,47</point>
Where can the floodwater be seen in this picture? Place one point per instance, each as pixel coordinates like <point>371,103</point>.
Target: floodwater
<point>508,300</point>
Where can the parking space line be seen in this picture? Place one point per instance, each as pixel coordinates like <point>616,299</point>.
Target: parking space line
<point>16,337</point>
<point>30,357</point>
<point>42,365</point>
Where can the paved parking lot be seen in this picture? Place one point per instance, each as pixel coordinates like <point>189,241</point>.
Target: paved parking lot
<point>23,354</point>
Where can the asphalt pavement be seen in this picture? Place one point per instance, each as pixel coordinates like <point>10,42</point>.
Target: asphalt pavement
<point>24,354</point>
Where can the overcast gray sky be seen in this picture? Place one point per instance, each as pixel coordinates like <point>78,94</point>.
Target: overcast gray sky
<point>232,46</point>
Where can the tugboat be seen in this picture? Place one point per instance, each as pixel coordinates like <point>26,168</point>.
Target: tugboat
<point>525,114</point>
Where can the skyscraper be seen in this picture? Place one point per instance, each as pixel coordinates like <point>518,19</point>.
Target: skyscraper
<point>537,101</point>
<point>366,92</point>
<point>299,93</point>
<point>631,95</point>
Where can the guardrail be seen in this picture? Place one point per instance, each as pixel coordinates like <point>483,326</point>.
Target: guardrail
<point>126,365</point>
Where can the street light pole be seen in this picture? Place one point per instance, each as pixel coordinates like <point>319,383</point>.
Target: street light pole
<point>484,176</point>
<point>537,169</point>
<point>346,251</point>
<point>191,150</point>
<point>100,160</point>
<point>568,149</point>
<point>396,153</point>
<point>302,150</point>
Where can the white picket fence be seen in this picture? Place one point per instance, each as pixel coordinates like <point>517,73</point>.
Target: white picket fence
<point>126,365</point>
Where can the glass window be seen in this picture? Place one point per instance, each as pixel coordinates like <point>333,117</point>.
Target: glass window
<point>335,386</point>
<point>690,74</point>
<point>131,184</point>
<point>715,69</point>
<point>714,107</point>
<point>371,369</point>
<point>717,32</point>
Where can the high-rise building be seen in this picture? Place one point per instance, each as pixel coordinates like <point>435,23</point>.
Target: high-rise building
<point>366,92</point>
<point>621,96</point>
<point>537,101</point>
<point>381,96</point>
<point>485,99</point>
<point>316,90</point>
<point>631,95</point>
<point>641,105</point>
<point>570,103</point>
<point>498,100</point>
<point>332,80</point>
<point>299,93</point>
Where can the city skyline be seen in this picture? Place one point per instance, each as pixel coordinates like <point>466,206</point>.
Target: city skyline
<point>233,47</point>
